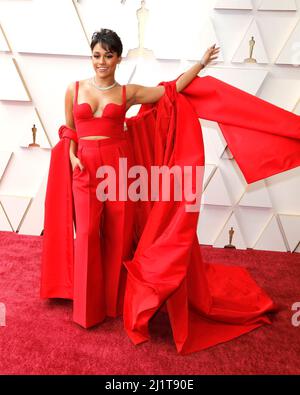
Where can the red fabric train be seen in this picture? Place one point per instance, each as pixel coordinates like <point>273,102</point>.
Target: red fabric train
<point>207,303</point>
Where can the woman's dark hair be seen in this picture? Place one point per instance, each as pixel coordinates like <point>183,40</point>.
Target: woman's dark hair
<point>108,39</point>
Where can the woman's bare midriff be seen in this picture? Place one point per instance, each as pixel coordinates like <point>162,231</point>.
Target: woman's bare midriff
<point>94,137</point>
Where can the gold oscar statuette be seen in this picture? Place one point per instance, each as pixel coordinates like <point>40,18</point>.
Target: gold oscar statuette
<point>34,144</point>
<point>231,232</point>
<point>142,17</point>
<point>251,46</point>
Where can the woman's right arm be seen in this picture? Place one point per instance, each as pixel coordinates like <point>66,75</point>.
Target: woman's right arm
<point>69,99</point>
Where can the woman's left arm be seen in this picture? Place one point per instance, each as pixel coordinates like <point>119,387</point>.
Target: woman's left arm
<point>140,94</point>
<point>187,77</point>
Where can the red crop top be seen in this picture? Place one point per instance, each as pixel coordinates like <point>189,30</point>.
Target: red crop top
<point>110,124</point>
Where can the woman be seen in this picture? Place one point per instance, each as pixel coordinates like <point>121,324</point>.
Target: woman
<point>207,303</point>
<point>96,109</point>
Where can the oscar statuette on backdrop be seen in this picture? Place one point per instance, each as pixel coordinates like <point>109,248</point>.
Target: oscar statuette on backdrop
<point>34,144</point>
<point>230,245</point>
<point>142,17</point>
<point>251,47</point>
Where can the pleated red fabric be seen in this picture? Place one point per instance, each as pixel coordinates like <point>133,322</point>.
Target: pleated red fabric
<point>207,303</point>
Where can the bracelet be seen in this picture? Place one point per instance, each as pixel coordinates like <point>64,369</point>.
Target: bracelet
<point>203,64</point>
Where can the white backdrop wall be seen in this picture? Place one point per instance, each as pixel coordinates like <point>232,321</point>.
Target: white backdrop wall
<point>44,45</point>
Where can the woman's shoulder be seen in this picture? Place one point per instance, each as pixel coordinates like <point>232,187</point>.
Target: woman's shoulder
<point>130,93</point>
<point>71,86</point>
<point>130,89</point>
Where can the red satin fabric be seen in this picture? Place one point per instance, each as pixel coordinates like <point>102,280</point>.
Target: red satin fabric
<point>110,123</point>
<point>206,303</point>
<point>263,138</point>
<point>99,274</point>
<point>57,263</point>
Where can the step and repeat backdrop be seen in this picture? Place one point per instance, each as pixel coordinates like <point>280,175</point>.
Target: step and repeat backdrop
<point>44,46</point>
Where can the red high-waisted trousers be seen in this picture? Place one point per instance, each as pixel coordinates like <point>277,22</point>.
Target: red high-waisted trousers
<point>104,234</point>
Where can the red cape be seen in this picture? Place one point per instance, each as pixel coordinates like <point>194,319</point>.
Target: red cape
<point>206,303</point>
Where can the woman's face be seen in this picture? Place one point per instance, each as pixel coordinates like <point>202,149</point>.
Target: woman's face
<point>104,61</point>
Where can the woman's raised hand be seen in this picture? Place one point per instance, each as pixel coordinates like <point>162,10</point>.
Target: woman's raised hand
<point>210,54</point>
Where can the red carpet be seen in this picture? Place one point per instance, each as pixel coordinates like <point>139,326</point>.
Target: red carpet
<point>40,337</point>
